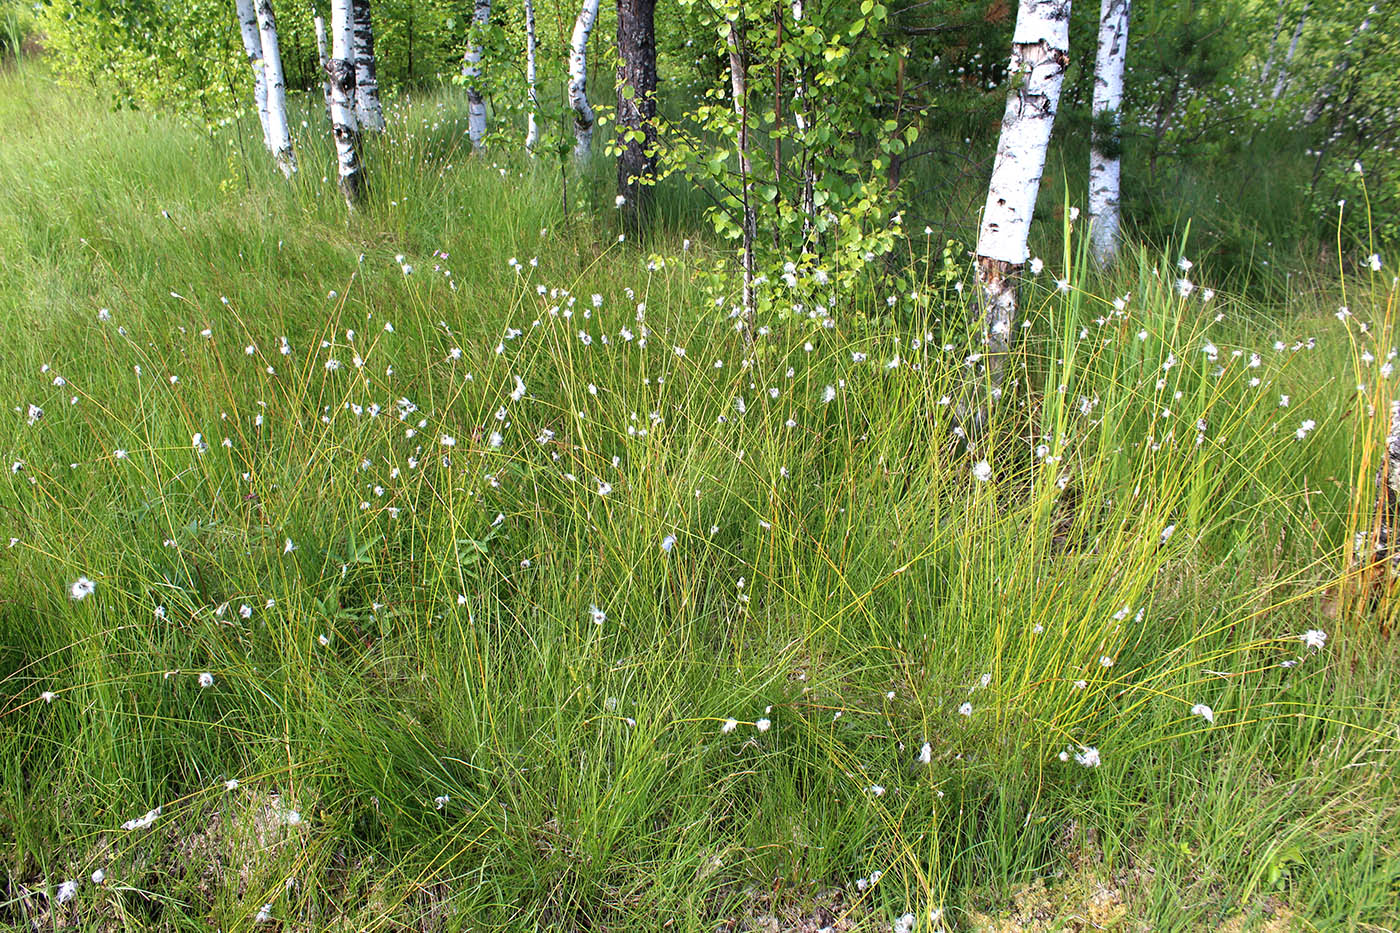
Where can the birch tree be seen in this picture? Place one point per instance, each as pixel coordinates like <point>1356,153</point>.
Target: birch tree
<point>532,128</point>
<point>578,80</point>
<point>1282,83</point>
<point>1388,493</point>
<point>252,45</point>
<point>368,111</point>
<point>738,79</point>
<point>323,57</point>
<point>278,132</point>
<point>471,70</point>
<point>1106,137</point>
<point>636,107</point>
<point>803,120</point>
<point>341,70</point>
<point>1039,56</point>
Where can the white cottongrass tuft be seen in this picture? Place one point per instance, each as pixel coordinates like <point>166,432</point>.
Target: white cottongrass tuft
<point>763,725</point>
<point>206,680</point>
<point>81,588</point>
<point>1316,639</point>
<point>1088,757</point>
<point>982,471</point>
<point>729,726</point>
<point>141,822</point>
<point>1205,712</point>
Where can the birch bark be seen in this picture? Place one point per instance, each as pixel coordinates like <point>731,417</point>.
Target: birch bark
<point>278,132</point>
<point>1388,491</point>
<point>1282,83</point>
<point>368,111</point>
<point>252,45</point>
<point>532,129</point>
<point>471,69</point>
<point>1039,56</point>
<point>324,58</point>
<point>578,80</point>
<point>802,118</point>
<point>1105,164</point>
<point>341,70</point>
<point>739,85</point>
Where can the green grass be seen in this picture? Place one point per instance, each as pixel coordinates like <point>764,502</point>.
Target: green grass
<point>831,568</point>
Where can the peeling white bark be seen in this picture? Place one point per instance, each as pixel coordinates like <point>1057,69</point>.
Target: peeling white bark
<point>368,111</point>
<point>1105,165</point>
<point>1388,490</point>
<point>1039,55</point>
<point>578,80</point>
<point>346,128</point>
<point>532,130</point>
<point>471,69</point>
<point>324,58</point>
<point>252,45</point>
<point>278,132</point>
<point>803,121</point>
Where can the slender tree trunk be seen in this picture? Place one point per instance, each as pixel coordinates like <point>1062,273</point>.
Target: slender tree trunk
<point>252,45</point>
<point>471,69</point>
<point>278,131</point>
<point>343,123</point>
<point>739,85</point>
<point>324,57</point>
<point>368,111</point>
<point>636,108</point>
<point>1107,138</point>
<point>1282,83</point>
<point>1273,42</point>
<point>802,118</point>
<point>578,80</point>
<point>1039,56</point>
<point>1388,491</point>
<point>532,129</point>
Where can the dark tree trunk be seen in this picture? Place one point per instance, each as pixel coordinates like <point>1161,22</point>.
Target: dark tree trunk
<point>367,108</point>
<point>636,108</point>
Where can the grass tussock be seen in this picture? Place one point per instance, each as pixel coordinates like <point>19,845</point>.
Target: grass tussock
<point>460,567</point>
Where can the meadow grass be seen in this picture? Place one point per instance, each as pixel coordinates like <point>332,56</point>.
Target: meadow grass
<point>437,590</point>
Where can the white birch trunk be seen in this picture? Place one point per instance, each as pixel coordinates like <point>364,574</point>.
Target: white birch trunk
<point>341,70</point>
<point>578,80</point>
<point>324,58</point>
<point>252,45</point>
<point>803,120</point>
<point>1282,83</point>
<point>1388,491</point>
<point>1273,42</point>
<point>368,111</point>
<point>278,132</point>
<point>1105,166</point>
<point>738,81</point>
<point>471,69</point>
<point>532,129</point>
<point>1039,56</point>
